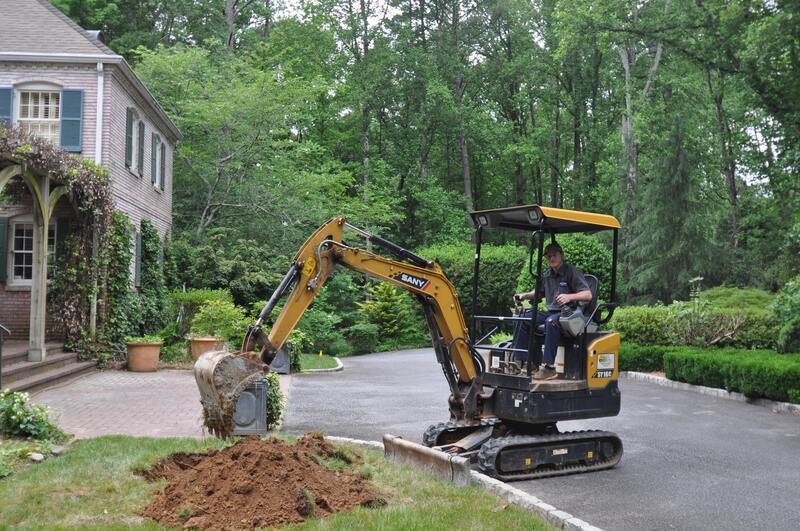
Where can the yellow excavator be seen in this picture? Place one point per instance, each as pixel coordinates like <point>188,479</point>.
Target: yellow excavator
<point>500,417</point>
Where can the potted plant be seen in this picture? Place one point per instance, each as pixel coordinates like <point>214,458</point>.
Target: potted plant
<point>213,324</point>
<point>143,353</point>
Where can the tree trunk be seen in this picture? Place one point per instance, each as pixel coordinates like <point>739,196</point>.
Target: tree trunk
<point>555,147</point>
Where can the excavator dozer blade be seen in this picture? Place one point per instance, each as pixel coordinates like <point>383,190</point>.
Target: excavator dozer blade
<point>221,377</point>
<point>442,465</point>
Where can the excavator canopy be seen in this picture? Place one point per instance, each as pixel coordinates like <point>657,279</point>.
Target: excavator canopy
<point>550,220</point>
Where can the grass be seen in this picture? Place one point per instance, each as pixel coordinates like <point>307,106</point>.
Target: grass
<point>315,361</point>
<point>93,486</point>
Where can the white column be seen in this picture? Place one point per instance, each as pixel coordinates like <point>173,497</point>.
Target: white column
<point>38,321</point>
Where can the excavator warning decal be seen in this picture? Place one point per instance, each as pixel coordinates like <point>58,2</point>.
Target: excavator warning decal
<point>411,280</point>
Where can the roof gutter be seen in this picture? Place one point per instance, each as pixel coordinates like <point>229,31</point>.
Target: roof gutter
<point>99,58</point>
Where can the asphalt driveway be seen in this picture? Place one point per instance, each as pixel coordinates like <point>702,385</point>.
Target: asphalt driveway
<point>691,461</point>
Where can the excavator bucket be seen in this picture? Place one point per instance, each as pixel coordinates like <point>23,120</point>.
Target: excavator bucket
<point>221,377</point>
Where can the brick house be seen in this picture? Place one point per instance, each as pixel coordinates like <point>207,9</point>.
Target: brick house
<point>62,83</point>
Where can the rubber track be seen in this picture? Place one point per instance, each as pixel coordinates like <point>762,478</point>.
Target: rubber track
<point>431,435</point>
<point>490,451</point>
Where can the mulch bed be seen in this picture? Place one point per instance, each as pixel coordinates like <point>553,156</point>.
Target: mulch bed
<point>256,483</point>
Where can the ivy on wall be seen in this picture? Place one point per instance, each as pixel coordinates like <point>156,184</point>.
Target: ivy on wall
<point>153,292</point>
<point>122,304</point>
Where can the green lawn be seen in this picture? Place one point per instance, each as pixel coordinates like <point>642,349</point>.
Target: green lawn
<point>315,361</point>
<point>94,486</point>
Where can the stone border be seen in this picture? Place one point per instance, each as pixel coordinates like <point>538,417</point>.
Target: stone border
<point>339,367</point>
<point>776,407</point>
<point>559,519</point>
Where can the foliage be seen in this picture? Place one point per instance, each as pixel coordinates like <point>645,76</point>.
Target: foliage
<point>396,314</point>
<point>222,319</point>
<point>20,418</point>
<point>363,337</point>
<point>645,358</point>
<point>646,325</point>
<point>182,306</point>
<point>144,339</point>
<point>123,317</point>
<point>753,373</point>
<point>153,293</point>
<point>323,332</point>
<point>750,299</point>
<point>500,265</point>
<point>583,251</point>
<point>276,402</point>
<point>786,310</point>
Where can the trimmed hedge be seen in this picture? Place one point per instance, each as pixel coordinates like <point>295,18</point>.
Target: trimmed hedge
<point>500,265</point>
<point>643,358</point>
<point>695,325</point>
<point>754,373</point>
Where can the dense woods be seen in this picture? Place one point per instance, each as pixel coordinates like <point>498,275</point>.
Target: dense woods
<point>681,117</point>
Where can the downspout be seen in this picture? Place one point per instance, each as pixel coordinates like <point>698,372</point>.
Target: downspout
<point>98,159</point>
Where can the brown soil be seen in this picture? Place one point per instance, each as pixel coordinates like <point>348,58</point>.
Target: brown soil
<point>256,483</point>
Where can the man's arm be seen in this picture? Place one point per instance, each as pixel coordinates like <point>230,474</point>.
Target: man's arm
<point>566,298</point>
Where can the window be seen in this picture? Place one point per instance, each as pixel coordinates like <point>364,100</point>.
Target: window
<point>21,249</point>
<point>156,162</point>
<point>134,142</point>
<point>40,114</point>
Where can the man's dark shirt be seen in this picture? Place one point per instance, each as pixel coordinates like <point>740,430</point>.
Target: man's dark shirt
<point>569,279</point>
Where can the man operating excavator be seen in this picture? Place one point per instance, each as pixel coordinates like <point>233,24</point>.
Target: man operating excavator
<point>564,284</point>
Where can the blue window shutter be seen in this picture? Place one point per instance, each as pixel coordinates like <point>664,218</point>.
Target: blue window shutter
<point>71,120</point>
<point>3,248</point>
<point>5,105</point>
<point>163,165</point>
<point>129,137</point>
<point>140,159</point>
<point>137,275</point>
<point>153,155</point>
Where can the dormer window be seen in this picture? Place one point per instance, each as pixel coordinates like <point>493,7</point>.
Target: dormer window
<point>40,114</point>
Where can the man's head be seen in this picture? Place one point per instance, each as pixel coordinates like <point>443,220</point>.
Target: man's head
<point>554,256</point>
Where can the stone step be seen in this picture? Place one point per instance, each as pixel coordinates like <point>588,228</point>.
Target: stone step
<point>49,378</point>
<point>24,369</point>
<point>13,356</point>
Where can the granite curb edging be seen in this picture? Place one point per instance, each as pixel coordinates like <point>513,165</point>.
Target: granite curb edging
<point>339,367</point>
<point>553,516</point>
<point>776,407</point>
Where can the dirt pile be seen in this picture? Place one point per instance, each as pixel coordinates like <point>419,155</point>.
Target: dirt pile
<point>256,483</point>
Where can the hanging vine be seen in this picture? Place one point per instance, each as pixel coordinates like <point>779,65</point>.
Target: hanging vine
<point>80,276</point>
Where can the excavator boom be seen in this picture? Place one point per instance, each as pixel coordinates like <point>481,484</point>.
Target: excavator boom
<point>221,377</point>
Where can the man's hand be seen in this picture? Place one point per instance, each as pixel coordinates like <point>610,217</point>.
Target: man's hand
<point>564,299</point>
<point>519,297</point>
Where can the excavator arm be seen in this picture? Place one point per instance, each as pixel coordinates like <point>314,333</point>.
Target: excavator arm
<point>222,376</point>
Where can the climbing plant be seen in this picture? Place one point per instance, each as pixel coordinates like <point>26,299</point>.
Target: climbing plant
<point>121,304</point>
<point>81,275</point>
<point>153,292</point>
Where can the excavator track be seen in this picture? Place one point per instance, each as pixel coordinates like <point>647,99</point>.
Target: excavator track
<point>453,430</point>
<point>521,457</point>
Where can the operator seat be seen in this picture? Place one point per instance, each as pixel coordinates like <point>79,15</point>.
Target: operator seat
<point>574,320</point>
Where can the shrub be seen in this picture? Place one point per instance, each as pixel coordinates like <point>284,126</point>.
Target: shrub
<point>276,402</point>
<point>742,298</point>
<point>20,418</point>
<point>753,373</point>
<point>646,325</point>
<point>363,337</point>
<point>222,319</point>
<point>397,315</point>
<point>143,339</point>
<point>585,252</point>
<point>699,324</point>
<point>153,293</point>
<point>786,310</point>
<point>500,266</point>
<point>645,358</point>
<point>323,332</point>
<point>184,304</point>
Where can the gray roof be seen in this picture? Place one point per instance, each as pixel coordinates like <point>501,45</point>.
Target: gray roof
<point>35,26</point>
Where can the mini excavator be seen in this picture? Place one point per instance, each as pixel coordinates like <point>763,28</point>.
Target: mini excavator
<point>501,419</point>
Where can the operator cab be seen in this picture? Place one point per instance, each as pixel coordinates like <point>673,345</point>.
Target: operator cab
<point>577,360</point>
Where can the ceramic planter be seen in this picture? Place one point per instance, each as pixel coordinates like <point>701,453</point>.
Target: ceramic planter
<point>201,345</point>
<point>143,357</point>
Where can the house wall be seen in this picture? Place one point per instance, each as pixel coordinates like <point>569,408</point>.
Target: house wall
<point>66,75</point>
<point>135,195</point>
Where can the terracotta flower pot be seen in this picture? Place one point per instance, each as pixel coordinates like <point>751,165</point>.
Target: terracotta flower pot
<point>201,345</point>
<point>143,357</point>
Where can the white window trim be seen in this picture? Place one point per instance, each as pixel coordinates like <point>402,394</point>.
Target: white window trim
<point>25,219</point>
<point>159,178</point>
<point>32,86</point>
<point>135,119</point>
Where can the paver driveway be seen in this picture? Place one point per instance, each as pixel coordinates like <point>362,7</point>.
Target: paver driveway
<point>691,461</point>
